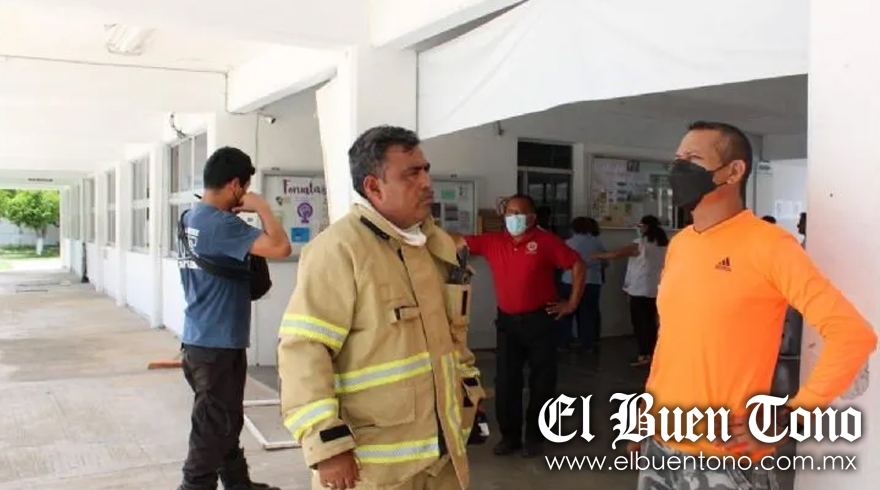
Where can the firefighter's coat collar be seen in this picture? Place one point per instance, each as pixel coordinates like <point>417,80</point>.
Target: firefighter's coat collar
<point>439,243</point>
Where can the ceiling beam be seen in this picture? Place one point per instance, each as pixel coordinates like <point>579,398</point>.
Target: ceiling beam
<point>402,24</point>
<point>37,83</point>
<point>310,23</point>
<point>277,74</point>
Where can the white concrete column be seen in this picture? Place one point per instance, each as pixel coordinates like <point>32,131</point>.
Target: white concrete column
<point>158,158</point>
<point>123,224</point>
<point>100,189</point>
<point>842,177</point>
<point>64,227</point>
<point>372,87</point>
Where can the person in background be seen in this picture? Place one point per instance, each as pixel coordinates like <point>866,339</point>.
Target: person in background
<point>802,228</point>
<point>585,241</point>
<point>769,219</point>
<point>646,256</point>
<point>523,260</point>
<point>792,333</point>
<point>217,319</point>
<point>726,284</point>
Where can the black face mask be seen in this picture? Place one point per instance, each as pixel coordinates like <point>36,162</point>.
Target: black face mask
<point>690,183</point>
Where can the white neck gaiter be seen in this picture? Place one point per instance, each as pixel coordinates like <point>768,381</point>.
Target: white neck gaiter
<point>412,236</point>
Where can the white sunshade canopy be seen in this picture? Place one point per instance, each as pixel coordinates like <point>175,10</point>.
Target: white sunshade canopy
<point>547,53</point>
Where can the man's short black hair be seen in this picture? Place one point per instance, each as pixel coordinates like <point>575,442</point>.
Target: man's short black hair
<point>225,165</point>
<point>367,155</point>
<point>525,197</point>
<point>734,145</point>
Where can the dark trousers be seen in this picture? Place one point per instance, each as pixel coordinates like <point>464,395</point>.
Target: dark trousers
<point>217,377</point>
<point>587,316</point>
<point>530,337</point>
<point>643,313</point>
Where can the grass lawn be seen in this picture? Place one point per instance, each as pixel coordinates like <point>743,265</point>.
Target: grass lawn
<point>9,253</point>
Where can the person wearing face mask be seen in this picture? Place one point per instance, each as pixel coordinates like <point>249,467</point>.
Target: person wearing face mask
<point>217,319</point>
<point>377,382</point>
<point>646,256</point>
<point>727,281</point>
<point>523,260</point>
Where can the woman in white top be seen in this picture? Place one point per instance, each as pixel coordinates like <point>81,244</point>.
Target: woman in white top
<point>646,256</point>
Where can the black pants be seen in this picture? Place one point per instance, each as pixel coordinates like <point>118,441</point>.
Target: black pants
<point>588,317</point>
<point>217,377</point>
<point>531,338</point>
<point>643,313</point>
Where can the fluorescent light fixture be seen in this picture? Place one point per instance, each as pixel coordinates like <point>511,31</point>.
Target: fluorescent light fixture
<point>127,40</point>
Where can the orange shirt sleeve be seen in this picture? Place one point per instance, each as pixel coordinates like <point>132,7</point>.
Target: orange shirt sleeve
<point>849,339</point>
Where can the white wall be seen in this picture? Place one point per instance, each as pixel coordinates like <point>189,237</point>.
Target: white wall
<point>790,186</point>
<point>13,235</point>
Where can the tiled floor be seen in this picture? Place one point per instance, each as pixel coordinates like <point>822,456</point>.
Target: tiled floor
<point>79,409</point>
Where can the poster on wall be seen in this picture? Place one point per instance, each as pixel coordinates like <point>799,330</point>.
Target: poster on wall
<point>454,207</point>
<point>300,204</point>
<point>622,191</point>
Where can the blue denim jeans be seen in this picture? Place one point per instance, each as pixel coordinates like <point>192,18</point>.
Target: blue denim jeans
<point>587,316</point>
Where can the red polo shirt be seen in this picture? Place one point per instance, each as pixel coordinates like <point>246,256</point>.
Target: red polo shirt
<point>524,271</point>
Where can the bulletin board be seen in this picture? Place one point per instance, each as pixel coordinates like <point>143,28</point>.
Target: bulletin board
<point>622,191</point>
<point>300,204</point>
<point>455,205</point>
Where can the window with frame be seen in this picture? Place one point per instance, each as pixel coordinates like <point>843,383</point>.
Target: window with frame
<point>111,208</point>
<point>75,213</point>
<point>545,174</point>
<point>140,204</point>
<point>186,160</point>
<point>90,210</point>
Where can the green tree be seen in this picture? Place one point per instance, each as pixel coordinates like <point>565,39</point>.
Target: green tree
<point>36,210</point>
<point>5,196</point>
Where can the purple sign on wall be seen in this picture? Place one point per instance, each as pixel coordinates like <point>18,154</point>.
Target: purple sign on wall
<point>305,211</point>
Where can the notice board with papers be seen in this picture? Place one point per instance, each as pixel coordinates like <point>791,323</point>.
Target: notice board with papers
<point>300,204</point>
<point>455,205</point>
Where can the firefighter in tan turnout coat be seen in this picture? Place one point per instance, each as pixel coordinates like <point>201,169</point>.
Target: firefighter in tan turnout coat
<point>377,381</point>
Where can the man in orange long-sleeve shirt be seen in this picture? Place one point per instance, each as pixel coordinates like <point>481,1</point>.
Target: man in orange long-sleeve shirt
<point>726,284</point>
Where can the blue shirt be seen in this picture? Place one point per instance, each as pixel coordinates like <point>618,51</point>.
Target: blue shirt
<point>586,245</point>
<point>218,310</point>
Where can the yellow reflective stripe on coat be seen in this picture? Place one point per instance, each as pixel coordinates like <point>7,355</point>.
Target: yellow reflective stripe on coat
<point>313,328</point>
<point>400,452</point>
<point>310,414</point>
<point>453,411</point>
<point>468,371</point>
<point>382,374</point>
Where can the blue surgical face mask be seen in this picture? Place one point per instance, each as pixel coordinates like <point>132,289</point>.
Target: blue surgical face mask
<point>516,224</point>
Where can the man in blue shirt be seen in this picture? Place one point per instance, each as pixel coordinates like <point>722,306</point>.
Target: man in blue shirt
<point>216,328</point>
<point>585,241</point>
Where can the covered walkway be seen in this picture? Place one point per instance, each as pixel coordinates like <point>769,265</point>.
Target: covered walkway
<point>79,408</point>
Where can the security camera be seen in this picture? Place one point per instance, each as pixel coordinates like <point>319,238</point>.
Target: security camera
<point>269,119</point>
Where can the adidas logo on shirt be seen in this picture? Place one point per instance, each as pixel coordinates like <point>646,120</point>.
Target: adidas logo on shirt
<point>724,265</point>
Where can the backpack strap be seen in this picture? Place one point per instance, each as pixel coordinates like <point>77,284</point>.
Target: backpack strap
<point>234,274</point>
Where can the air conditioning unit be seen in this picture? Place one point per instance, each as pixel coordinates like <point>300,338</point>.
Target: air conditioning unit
<point>127,40</point>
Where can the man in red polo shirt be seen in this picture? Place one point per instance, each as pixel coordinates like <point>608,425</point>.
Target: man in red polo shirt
<point>523,260</point>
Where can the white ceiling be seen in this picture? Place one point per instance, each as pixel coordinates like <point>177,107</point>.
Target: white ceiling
<point>68,105</point>
<point>769,106</point>
<point>63,33</point>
